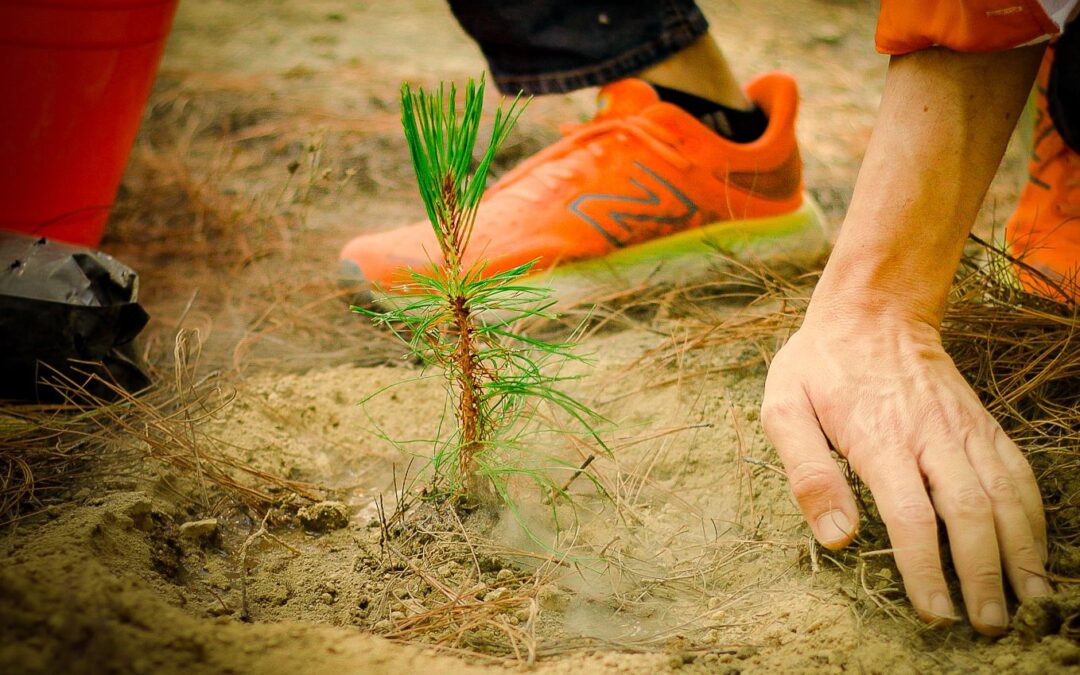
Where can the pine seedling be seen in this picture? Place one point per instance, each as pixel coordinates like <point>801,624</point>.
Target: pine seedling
<point>460,321</point>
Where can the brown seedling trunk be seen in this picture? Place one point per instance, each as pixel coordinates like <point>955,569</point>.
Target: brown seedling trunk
<point>477,488</point>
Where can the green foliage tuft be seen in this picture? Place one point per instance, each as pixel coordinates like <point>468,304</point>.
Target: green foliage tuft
<point>441,145</point>
<point>461,321</point>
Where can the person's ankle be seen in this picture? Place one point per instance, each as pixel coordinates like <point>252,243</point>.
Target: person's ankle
<point>736,125</point>
<point>699,70</point>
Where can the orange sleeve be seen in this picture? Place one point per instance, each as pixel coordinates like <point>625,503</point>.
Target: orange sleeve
<point>961,25</point>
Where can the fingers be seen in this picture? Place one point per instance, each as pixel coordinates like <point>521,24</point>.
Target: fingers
<point>901,498</point>
<point>816,481</point>
<point>1016,466</point>
<point>969,515</point>
<point>987,508</point>
<point>1021,529</point>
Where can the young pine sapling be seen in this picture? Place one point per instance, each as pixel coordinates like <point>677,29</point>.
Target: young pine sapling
<point>459,319</point>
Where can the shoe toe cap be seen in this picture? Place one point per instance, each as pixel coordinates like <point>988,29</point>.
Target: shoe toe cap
<point>356,287</point>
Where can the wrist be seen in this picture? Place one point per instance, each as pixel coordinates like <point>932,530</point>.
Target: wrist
<point>881,286</point>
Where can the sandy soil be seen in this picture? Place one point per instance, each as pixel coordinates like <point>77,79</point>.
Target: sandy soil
<point>271,137</point>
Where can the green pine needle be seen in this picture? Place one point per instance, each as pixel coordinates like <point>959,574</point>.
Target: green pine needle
<point>441,145</point>
<point>460,321</point>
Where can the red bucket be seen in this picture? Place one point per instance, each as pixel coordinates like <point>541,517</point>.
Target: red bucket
<point>74,78</point>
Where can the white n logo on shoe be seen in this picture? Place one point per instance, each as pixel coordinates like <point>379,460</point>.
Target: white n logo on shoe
<point>629,219</point>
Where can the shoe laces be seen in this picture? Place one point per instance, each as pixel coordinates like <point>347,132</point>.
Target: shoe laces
<point>583,143</point>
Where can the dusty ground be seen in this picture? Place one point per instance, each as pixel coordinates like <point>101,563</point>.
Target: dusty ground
<point>271,138</point>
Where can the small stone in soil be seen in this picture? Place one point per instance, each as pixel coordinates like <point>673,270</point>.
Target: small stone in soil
<point>553,599</point>
<point>496,595</point>
<point>204,531</point>
<point>324,516</point>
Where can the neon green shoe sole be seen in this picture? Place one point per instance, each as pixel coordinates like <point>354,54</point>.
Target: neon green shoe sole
<point>798,238</point>
<point>692,256</point>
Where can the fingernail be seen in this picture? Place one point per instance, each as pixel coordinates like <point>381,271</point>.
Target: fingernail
<point>833,527</point>
<point>993,614</point>
<point>941,606</point>
<point>1037,586</point>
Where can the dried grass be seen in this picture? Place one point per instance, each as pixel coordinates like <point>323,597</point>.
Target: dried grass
<point>45,451</point>
<point>440,589</point>
<point>216,215</point>
<point>1019,351</point>
<point>39,459</point>
<point>1022,354</point>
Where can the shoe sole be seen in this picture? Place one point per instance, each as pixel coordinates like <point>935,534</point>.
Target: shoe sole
<point>793,239</point>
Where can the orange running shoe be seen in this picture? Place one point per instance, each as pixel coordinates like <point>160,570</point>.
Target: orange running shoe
<point>644,192</point>
<point>1044,231</point>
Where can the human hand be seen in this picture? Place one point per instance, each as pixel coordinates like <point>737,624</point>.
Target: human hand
<point>882,391</point>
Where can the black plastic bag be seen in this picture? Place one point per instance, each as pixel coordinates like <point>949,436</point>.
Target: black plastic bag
<point>66,312</point>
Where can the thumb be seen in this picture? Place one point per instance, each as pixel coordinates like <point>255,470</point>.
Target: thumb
<point>816,481</point>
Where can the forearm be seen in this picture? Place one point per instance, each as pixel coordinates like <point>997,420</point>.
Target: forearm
<point>943,125</point>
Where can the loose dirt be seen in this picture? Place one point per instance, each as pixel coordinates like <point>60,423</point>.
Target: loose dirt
<point>272,137</point>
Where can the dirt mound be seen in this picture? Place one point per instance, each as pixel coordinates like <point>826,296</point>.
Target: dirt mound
<point>705,567</point>
<point>100,589</point>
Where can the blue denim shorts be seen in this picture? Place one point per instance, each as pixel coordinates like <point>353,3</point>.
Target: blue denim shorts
<point>556,46</point>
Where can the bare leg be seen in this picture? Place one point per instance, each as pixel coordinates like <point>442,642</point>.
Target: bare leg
<point>701,70</point>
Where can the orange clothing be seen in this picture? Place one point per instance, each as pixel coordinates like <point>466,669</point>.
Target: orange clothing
<point>1044,231</point>
<point>961,25</point>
